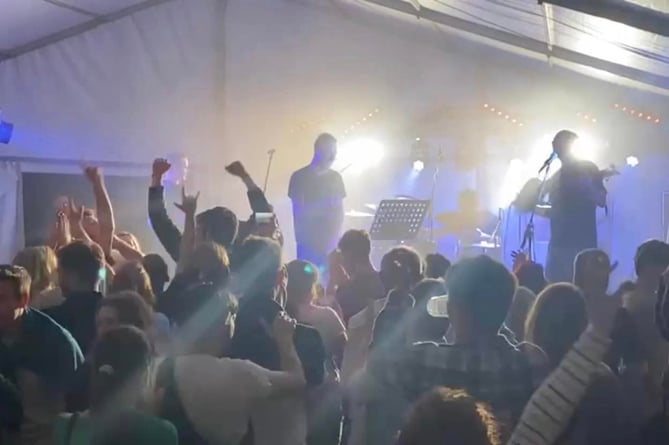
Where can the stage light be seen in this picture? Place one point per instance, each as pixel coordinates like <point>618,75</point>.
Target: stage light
<point>359,155</point>
<point>632,161</point>
<point>6,131</point>
<point>418,165</point>
<point>514,179</point>
<point>585,148</point>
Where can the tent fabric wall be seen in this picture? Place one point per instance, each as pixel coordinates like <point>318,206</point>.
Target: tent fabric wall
<point>144,85</point>
<point>11,223</point>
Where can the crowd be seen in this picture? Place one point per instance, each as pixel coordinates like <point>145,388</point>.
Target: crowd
<point>99,345</point>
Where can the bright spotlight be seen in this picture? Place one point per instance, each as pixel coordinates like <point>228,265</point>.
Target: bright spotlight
<point>418,165</point>
<point>632,161</point>
<point>513,181</point>
<point>585,148</point>
<point>359,155</point>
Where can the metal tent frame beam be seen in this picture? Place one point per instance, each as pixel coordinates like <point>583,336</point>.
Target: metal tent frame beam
<point>525,43</point>
<point>95,21</point>
<point>630,14</point>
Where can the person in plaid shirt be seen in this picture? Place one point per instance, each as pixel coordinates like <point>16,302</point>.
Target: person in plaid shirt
<point>480,361</point>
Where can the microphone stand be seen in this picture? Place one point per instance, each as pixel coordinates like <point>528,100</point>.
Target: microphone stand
<point>270,153</point>
<point>434,187</point>
<point>528,234</point>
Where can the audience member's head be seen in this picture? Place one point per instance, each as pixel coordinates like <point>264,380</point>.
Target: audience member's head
<point>122,308</point>
<point>14,295</point>
<point>218,224</point>
<point>259,270</point>
<point>531,275</point>
<point>301,287</point>
<point>436,266</point>
<point>592,271</point>
<point>480,291</point>
<point>556,320</point>
<point>121,358</point>
<point>355,247</point>
<point>130,239</point>
<point>325,150</point>
<point>41,264</point>
<point>446,416</point>
<point>158,272</point>
<point>132,277</point>
<point>401,268</point>
<point>78,267</point>
<point>210,263</point>
<point>650,261</point>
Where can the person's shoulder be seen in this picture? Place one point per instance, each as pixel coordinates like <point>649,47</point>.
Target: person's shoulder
<point>533,353</point>
<point>300,172</point>
<point>45,325</point>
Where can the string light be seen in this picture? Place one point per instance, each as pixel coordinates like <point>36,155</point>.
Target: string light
<point>501,113</point>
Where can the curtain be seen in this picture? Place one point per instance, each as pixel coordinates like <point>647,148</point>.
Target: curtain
<point>11,209</point>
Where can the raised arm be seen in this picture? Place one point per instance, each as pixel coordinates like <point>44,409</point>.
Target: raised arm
<point>166,231</point>
<point>103,208</point>
<point>291,377</point>
<point>257,199</point>
<point>189,207</point>
<point>125,249</point>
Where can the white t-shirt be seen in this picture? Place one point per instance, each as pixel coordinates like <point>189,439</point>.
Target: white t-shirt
<point>326,321</point>
<point>280,421</point>
<point>219,395</point>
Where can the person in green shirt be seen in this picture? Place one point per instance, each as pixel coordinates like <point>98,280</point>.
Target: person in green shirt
<point>121,360</point>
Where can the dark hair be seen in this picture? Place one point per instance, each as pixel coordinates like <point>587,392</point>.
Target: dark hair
<point>485,288</point>
<point>556,320</point>
<point>157,269</point>
<point>531,275</point>
<point>131,276</point>
<point>445,416</point>
<point>220,225</point>
<point>131,309</point>
<point>18,277</point>
<point>436,265</point>
<point>323,139</point>
<point>401,267</point>
<point>79,258</point>
<point>258,262</point>
<point>651,253</point>
<point>356,243</point>
<point>302,281</point>
<point>121,356</point>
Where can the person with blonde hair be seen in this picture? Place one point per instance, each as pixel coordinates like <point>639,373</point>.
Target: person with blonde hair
<point>42,265</point>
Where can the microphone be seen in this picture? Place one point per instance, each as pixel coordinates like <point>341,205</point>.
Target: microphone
<point>271,151</point>
<point>547,162</point>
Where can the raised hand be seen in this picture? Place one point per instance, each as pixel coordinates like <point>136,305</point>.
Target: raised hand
<point>73,212</point>
<point>188,202</point>
<point>93,173</point>
<point>519,259</point>
<point>62,235</point>
<point>283,328</point>
<point>160,167</point>
<point>237,169</point>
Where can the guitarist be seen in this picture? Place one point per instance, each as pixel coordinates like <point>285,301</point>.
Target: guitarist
<point>575,192</point>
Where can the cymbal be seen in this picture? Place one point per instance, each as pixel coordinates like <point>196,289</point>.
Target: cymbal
<point>356,214</point>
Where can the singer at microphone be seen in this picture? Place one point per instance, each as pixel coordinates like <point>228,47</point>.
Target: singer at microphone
<point>575,192</point>
<point>317,193</point>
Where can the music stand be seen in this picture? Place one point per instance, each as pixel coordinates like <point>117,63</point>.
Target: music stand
<point>399,219</point>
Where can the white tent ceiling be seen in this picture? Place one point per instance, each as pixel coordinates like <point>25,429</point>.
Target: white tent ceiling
<point>551,31</point>
<point>26,25</point>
